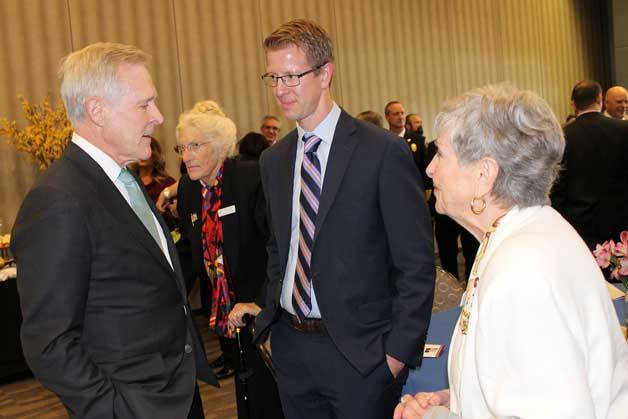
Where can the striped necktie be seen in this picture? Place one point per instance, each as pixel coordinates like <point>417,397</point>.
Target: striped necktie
<point>139,205</point>
<point>309,199</point>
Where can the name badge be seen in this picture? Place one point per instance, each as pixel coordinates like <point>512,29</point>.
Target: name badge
<point>231,209</point>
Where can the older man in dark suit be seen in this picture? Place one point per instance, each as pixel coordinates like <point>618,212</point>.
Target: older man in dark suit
<point>592,190</point>
<point>351,268</point>
<point>107,325</point>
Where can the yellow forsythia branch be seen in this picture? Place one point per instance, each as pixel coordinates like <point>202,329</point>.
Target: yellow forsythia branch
<point>45,135</point>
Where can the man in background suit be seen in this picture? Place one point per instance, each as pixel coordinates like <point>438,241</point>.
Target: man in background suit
<point>616,103</point>
<point>414,123</point>
<point>592,190</point>
<point>107,325</point>
<point>270,128</point>
<point>395,115</point>
<point>351,265</point>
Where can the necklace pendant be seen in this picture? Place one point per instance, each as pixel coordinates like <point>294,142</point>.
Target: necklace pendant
<point>464,322</point>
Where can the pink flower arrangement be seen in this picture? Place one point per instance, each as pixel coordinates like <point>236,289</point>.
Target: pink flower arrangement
<point>614,255</point>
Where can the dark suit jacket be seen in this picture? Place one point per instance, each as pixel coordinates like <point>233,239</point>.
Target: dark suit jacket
<point>245,232</point>
<point>417,146</point>
<point>106,322</point>
<point>372,262</point>
<point>592,190</point>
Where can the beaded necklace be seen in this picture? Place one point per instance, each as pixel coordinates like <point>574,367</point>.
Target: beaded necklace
<point>469,295</point>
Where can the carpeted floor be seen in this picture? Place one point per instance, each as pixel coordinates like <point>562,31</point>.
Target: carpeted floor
<point>26,398</point>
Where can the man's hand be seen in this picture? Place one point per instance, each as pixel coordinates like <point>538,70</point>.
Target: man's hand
<point>394,365</point>
<point>415,407</point>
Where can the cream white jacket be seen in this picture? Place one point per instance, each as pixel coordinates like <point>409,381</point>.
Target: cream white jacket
<point>543,339</point>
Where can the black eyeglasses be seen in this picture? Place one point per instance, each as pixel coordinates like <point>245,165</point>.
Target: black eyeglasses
<point>289,80</point>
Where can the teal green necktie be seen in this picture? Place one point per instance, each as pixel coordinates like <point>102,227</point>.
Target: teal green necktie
<point>139,204</point>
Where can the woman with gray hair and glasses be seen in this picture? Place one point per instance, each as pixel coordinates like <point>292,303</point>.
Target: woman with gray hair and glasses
<point>538,336</point>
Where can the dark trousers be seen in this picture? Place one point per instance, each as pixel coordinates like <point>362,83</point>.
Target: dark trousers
<point>317,382</point>
<point>257,396</point>
<point>447,231</point>
<point>196,410</point>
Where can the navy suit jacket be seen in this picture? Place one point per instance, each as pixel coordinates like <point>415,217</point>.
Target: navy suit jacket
<point>592,189</point>
<point>372,261</point>
<point>106,320</point>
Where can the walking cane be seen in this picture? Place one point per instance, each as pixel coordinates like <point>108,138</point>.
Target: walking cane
<point>243,374</point>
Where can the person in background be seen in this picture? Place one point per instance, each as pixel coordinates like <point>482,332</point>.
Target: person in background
<point>250,147</point>
<point>270,127</point>
<point>372,117</point>
<point>223,214</point>
<point>414,123</point>
<point>591,191</point>
<point>616,103</point>
<point>152,171</point>
<point>107,326</point>
<point>395,115</point>
<point>538,336</point>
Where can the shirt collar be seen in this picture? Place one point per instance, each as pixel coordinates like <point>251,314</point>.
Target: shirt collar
<point>109,165</point>
<point>325,130</point>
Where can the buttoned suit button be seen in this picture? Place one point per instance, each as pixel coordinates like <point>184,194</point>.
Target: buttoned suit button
<point>188,348</point>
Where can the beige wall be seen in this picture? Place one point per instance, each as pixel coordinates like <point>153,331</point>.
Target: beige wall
<point>419,52</point>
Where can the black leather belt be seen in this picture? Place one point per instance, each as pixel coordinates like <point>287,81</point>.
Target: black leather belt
<point>306,325</point>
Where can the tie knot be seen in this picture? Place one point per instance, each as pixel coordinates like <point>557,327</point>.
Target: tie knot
<point>311,141</point>
<point>126,177</point>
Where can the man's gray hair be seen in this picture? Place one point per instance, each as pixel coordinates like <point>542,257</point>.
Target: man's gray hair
<point>515,127</point>
<point>93,71</point>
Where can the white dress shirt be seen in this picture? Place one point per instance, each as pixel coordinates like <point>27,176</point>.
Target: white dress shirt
<point>112,170</point>
<point>325,131</point>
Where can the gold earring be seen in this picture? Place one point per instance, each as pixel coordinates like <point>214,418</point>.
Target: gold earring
<point>474,209</point>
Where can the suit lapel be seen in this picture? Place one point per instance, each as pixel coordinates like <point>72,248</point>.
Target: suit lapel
<point>195,205</point>
<point>284,192</point>
<point>230,222</point>
<point>119,208</point>
<point>342,148</point>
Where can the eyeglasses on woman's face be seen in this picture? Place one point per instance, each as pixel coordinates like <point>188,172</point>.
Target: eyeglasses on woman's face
<point>192,147</point>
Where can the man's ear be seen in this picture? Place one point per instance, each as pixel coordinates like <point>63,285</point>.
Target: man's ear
<point>326,73</point>
<point>95,110</point>
<point>488,169</point>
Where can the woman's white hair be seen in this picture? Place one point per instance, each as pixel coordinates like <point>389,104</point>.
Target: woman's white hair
<point>515,127</point>
<point>212,123</point>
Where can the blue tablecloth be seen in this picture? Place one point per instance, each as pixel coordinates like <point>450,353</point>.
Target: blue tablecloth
<point>432,375</point>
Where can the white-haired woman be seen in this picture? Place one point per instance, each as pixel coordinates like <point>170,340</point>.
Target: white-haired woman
<point>221,209</point>
<point>538,336</point>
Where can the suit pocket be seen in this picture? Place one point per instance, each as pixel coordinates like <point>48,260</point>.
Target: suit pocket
<point>135,369</point>
<point>375,311</point>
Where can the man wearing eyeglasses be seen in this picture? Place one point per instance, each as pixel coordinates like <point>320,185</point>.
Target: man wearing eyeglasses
<point>270,128</point>
<point>351,269</point>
